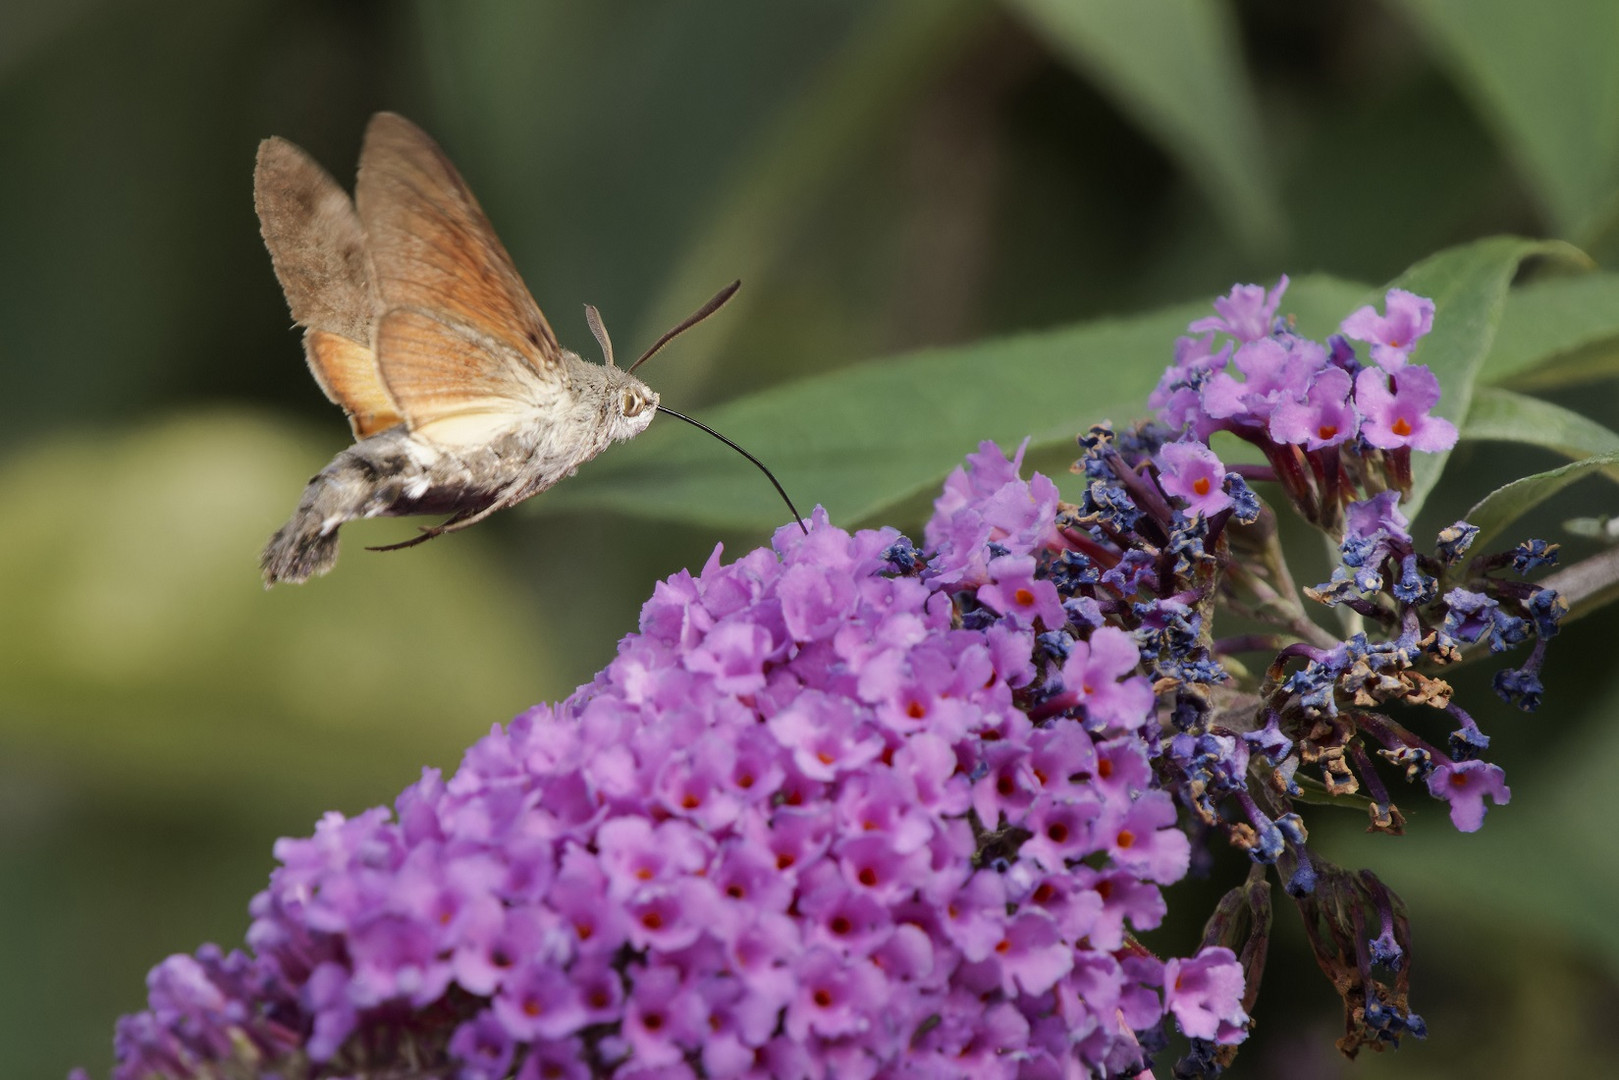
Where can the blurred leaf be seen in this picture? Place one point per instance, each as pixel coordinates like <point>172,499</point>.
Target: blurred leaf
<point>1176,66</point>
<point>861,440</point>
<point>1596,362</point>
<point>1547,78</point>
<point>1603,529</point>
<point>116,197</point>
<point>1396,191</point>
<point>1590,584</point>
<point>25,28</point>
<point>1506,504</point>
<point>140,646</point>
<point>1503,416</point>
<point>1558,330</point>
<point>1468,286</point>
<point>886,63</point>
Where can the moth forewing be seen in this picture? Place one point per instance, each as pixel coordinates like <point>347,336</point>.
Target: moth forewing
<point>316,243</point>
<point>432,248</point>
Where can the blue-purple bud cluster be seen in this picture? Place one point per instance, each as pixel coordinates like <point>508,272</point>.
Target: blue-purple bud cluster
<point>1337,437</point>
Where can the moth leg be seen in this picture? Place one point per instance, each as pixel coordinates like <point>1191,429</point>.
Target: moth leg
<point>461,519</point>
<point>458,522</point>
<point>421,538</point>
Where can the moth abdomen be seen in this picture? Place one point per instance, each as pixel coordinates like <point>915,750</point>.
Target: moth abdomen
<point>386,475</point>
<point>299,550</point>
<point>365,480</point>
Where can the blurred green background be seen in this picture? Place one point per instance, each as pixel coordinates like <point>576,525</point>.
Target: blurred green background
<point>884,176</point>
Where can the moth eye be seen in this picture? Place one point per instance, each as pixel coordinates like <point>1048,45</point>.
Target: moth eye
<point>633,403</point>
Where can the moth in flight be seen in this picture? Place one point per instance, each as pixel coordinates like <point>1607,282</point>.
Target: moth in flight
<point>417,323</point>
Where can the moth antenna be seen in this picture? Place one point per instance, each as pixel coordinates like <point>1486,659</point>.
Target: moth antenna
<point>594,318</point>
<point>699,424</point>
<point>692,320</point>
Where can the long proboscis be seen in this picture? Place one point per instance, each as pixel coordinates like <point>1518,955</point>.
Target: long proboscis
<point>761,465</point>
<point>692,320</point>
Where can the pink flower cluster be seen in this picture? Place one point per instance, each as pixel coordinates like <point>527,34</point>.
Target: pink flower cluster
<point>1299,392</point>
<point>799,827</point>
<point>1303,403</point>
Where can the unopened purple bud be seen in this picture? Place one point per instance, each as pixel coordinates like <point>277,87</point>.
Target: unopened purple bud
<point>1454,540</point>
<point>1533,554</point>
<point>1547,608</point>
<point>1520,687</point>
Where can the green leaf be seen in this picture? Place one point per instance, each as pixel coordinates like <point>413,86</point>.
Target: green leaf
<point>867,438</point>
<point>1468,286</point>
<point>1176,67</point>
<point>1506,504</point>
<point>1547,80</point>
<point>1556,331</point>
<point>1503,416</point>
<point>863,439</point>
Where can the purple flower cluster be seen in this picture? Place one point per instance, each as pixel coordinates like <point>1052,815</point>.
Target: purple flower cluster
<point>1305,404</point>
<point>802,825</point>
<point>847,807</point>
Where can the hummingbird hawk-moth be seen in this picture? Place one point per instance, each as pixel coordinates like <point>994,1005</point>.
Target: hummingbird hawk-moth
<point>417,324</point>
